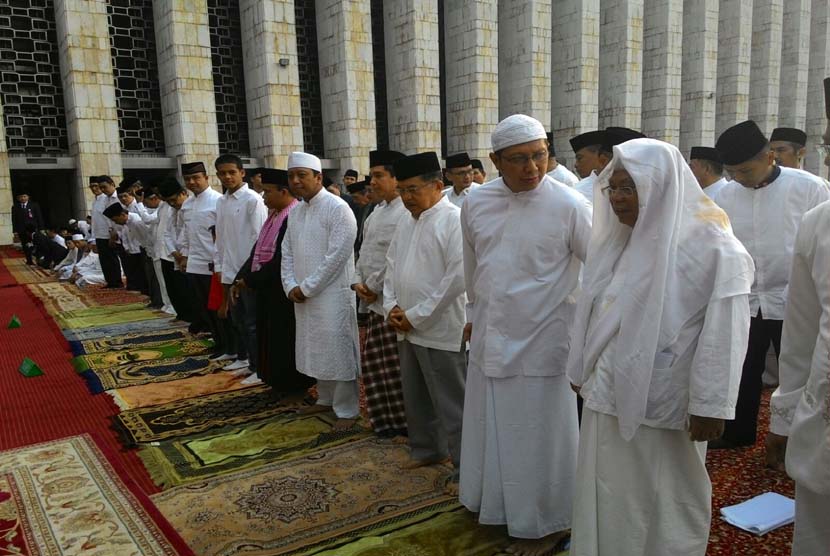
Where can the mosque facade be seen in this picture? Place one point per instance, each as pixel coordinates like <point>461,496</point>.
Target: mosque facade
<point>136,87</point>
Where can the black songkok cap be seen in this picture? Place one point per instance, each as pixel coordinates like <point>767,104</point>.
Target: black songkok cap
<point>417,165</point>
<point>619,135</point>
<point>705,153</point>
<point>476,163</point>
<point>459,160</point>
<point>114,210</point>
<point>93,179</point>
<point>357,187</point>
<point>740,143</point>
<point>169,187</point>
<point>191,168</point>
<point>551,150</point>
<point>123,189</point>
<point>149,192</point>
<point>789,134</point>
<point>128,182</point>
<point>588,139</point>
<point>274,177</point>
<point>251,172</point>
<point>350,173</point>
<point>383,158</point>
<point>21,191</point>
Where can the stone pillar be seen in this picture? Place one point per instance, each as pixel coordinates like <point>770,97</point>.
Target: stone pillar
<point>89,93</point>
<point>765,74</point>
<point>621,64</point>
<point>662,61</point>
<point>412,75</point>
<point>819,69</point>
<point>272,91</point>
<point>344,39</point>
<point>734,47</point>
<point>575,71</point>
<point>524,45</point>
<point>472,66</point>
<point>795,63</point>
<point>186,80</point>
<point>700,74</point>
<point>6,199</point>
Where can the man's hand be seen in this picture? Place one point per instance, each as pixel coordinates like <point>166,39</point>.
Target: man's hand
<point>576,388</point>
<point>468,332</point>
<point>112,242</point>
<point>398,320</point>
<point>704,429</point>
<point>364,293</point>
<point>234,294</point>
<point>776,451</point>
<point>296,295</point>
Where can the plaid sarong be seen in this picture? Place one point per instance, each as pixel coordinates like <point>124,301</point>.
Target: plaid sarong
<point>382,376</point>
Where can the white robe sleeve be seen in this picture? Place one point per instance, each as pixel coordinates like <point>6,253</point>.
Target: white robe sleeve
<point>219,243</point>
<point>450,286</point>
<point>289,282</point>
<point>341,247</point>
<point>470,261</point>
<point>798,340</point>
<point>390,298</point>
<point>716,368</point>
<point>581,231</point>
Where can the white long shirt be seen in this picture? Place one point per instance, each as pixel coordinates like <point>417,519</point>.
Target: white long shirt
<point>585,187</point>
<point>59,240</point>
<point>101,225</point>
<point>766,220</point>
<point>318,256</point>
<point>522,254</point>
<point>131,232</point>
<point>800,407</point>
<point>84,228</point>
<point>199,215</point>
<point>165,216</point>
<point>563,175</point>
<point>458,198</point>
<point>378,230</point>
<point>425,277</point>
<point>715,188</point>
<point>239,218</point>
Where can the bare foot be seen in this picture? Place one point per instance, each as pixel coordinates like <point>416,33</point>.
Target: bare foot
<point>314,409</point>
<point>418,463</point>
<point>545,546</point>
<point>451,489</point>
<point>344,424</point>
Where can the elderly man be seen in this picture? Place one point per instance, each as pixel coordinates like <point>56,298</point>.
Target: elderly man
<point>423,299</point>
<point>524,237</point>
<point>655,354</point>
<point>707,167</point>
<point>381,365</point>
<point>800,407</point>
<point>765,204</point>
<point>459,171</point>
<point>317,270</point>
<point>558,171</point>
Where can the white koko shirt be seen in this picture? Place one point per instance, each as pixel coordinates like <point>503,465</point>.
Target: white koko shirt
<point>563,175</point>
<point>239,218</point>
<point>199,214</point>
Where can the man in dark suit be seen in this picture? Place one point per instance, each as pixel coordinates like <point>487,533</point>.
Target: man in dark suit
<point>26,219</point>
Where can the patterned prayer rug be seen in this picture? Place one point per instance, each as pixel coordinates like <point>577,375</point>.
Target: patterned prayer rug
<point>115,330</point>
<point>186,417</point>
<point>178,461</point>
<point>106,315</point>
<point>56,298</point>
<point>62,498</point>
<point>131,341</point>
<point>161,370</point>
<point>27,274</point>
<point>99,295</point>
<point>140,354</point>
<point>157,393</point>
<point>333,495</point>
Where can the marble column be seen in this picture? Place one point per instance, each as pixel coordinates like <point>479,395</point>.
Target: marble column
<point>6,199</point>
<point>699,74</point>
<point>819,69</point>
<point>795,64</point>
<point>621,64</point>
<point>662,63</point>
<point>734,51</point>
<point>765,75</point>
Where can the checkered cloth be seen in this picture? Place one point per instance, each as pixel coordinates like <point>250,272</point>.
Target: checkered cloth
<point>382,376</point>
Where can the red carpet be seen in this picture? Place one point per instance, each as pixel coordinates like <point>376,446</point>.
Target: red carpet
<point>56,404</point>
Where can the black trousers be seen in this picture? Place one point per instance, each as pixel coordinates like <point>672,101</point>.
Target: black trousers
<point>134,269</point>
<point>153,289</point>
<point>28,248</point>
<point>110,265</point>
<point>178,290</point>
<point>206,319</point>
<point>762,333</point>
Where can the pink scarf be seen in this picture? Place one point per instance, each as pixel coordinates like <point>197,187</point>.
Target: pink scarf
<point>266,244</point>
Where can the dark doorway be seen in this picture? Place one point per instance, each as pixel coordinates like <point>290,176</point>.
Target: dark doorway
<point>51,189</point>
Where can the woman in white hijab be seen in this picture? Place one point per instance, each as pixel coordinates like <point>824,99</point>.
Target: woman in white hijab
<point>656,353</point>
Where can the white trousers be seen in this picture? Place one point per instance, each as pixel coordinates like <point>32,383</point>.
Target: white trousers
<point>812,523</point>
<point>340,395</point>
<point>165,299</point>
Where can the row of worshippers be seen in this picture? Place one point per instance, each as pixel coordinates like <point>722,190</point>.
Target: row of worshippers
<point>660,341</point>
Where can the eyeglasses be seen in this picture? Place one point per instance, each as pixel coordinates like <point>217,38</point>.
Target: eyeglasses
<point>624,191</point>
<point>412,189</point>
<point>522,160</point>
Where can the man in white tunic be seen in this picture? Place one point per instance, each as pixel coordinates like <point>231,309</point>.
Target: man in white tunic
<point>381,364</point>
<point>707,167</point>
<point>558,171</point>
<point>76,245</point>
<point>800,407</point>
<point>789,145</point>
<point>459,170</point>
<point>88,270</point>
<point>102,232</point>
<point>765,204</point>
<point>656,352</point>
<point>423,299</point>
<point>525,236</point>
<point>317,274</point>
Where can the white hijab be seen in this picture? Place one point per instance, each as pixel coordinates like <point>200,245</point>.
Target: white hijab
<point>680,255</point>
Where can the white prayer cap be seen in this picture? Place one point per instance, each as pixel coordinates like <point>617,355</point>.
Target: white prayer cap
<point>515,130</point>
<point>304,160</point>
<point>77,237</point>
<point>72,221</point>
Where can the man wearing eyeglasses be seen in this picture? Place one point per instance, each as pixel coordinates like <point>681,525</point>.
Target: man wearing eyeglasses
<point>524,237</point>
<point>459,170</point>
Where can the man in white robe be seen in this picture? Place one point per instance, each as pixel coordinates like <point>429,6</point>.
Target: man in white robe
<point>64,269</point>
<point>707,167</point>
<point>558,171</point>
<point>88,271</point>
<point>317,274</point>
<point>458,168</point>
<point>590,157</point>
<point>765,204</point>
<point>525,236</point>
<point>656,352</point>
<point>479,173</point>
<point>800,407</point>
